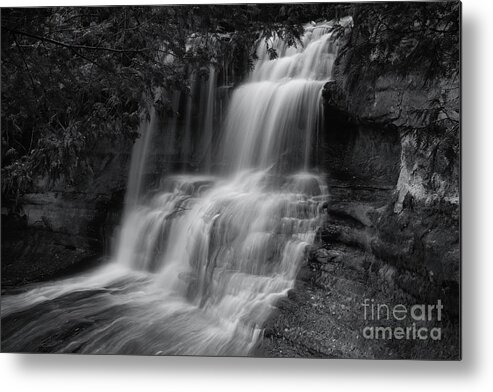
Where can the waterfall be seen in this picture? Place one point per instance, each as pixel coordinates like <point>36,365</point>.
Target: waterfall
<point>140,153</point>
<point>209,119</point>
<point>273,116</point>
<point>202,258</point>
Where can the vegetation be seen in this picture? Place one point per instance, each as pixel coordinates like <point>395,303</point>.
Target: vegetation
<point>73,77</point>
<point>405,36</point>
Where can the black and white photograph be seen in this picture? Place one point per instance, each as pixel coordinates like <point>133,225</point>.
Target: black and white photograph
<point>272,180</point>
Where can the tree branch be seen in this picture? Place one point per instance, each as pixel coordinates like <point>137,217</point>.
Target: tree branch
<point>72,47</point>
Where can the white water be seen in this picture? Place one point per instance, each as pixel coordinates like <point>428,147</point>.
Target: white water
<point>202,259</point>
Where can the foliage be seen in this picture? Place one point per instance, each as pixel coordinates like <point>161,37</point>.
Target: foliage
<point>73,77</point>
<point>404,37</point>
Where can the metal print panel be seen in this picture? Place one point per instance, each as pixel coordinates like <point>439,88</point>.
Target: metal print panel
<point>274,180</point>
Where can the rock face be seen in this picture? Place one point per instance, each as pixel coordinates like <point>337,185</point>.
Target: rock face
<point>390,146</point>
<point>417,118</point>
<point>367,252</point>
<point>58,229</point>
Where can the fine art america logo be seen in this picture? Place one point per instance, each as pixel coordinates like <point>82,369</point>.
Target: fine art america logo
<point>401,322</point>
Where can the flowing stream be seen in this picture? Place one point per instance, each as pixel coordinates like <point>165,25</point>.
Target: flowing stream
<point>201,259</point>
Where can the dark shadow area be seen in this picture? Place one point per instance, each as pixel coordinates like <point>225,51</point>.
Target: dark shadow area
<point>359,154</point>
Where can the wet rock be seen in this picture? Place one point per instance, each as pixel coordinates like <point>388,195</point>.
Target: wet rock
<point>305,184</point>
<point>387,273</point>
<point>323,256</point>
<point>330,233</point>
<point>347,286</point>
<point>293,295</point>
<point>306,273</point>
<point>357,262</point>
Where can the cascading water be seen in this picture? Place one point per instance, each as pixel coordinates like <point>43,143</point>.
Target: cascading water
<point>202,259</point>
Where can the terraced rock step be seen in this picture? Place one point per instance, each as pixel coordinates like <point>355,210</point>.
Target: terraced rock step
<point>323,316</point>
